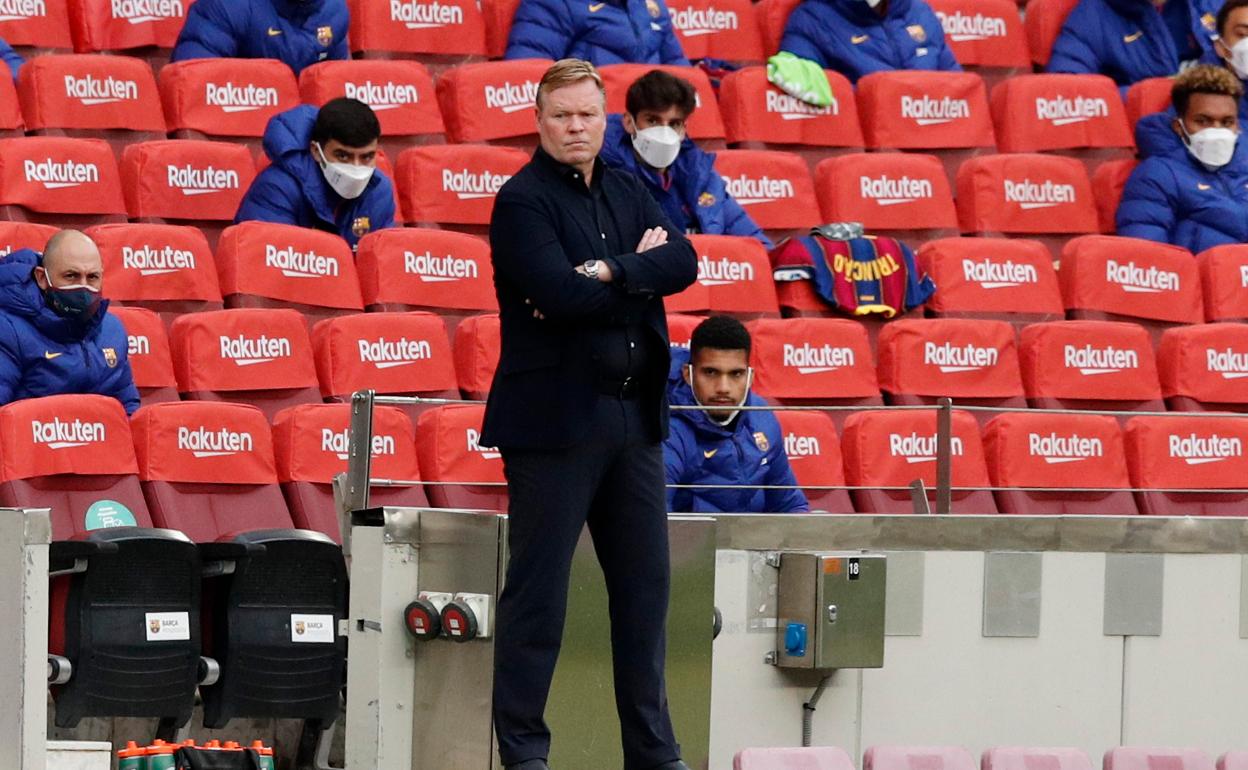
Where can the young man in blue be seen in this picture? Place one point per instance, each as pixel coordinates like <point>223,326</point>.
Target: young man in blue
<point>724,446</point>
<point>606,32</point>
<point>649,142</point>
<point>298,32</point>
<point>56,334</point>
<point>1191,190</point>
<point>1230,49</point>
<point>324,173</point>
<point>858,37</point>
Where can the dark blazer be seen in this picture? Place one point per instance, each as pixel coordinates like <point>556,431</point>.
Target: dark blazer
<point>545,388</point>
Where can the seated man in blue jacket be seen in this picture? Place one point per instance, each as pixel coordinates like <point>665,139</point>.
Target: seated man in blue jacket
<point>1230,48</point>
<point>324,173</point>
<point>649,142</point>
<point>1130,40</point>
<point>858,37</point>
<point>298,32</point>
<point>724,445</point>
<point>1191,190</point>
<point>607,32</point>
<point>56,334</point>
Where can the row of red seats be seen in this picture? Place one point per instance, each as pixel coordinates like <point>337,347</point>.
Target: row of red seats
<point>996,758</point>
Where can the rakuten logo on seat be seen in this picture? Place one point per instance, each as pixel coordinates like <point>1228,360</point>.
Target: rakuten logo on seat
<point>510,97</point>
<point>339,443</point>
<point>801,447</point>
<point>299,264</point>
<point>156,261</point>
<point>1090,360</point>
<point>20,10</point>
<point>202,442</point>
<point>693,22</point>
<point>1202,450</point>
<point>141,11</point>
<point>1038,195</point>
<point>1055,449</point>
<point>792,108</point>
<point>431,269</point>
<point>202,181</point>
<point>469,186</point>
<point>920,449</point>
<point>387,354</point>
<point>723,272</point>
<point>138,345</point>
<point>749,191</point>
<point>998,275</point>
<point>1138,280</point>
<point>474,445</point>
<point>415,15</point>
<point>231,98</point>
<point>887,191</point>
<point>926,111</point>
<point>90,90</point>
<point>809,359</point>
<point>63,435</point>
<point>388,96</point>
<point>959,27</point>
<point>1061,111</point>
<point>246,351</point>
<point>55,175</point>
<point>1228,363</point>
<point>952,359</point>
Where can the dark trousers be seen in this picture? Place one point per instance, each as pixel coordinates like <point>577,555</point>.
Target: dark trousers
<point>613,481</point>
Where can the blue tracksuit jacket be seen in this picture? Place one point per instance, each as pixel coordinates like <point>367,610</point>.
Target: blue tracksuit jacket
<point>298,32</point>
<point>607,32</point>
<point>11,58</point>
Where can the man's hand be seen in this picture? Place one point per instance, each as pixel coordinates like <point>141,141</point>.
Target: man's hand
<point>655,236</point>
<point>604,272</point>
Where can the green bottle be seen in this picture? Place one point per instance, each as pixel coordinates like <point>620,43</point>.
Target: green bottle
<point>160,756</point>
<point>132,757</point>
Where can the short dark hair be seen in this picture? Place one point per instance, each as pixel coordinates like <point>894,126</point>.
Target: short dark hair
<point>658,91</point>
<point>720,332</point>
<point>348,121</point>
<point>1203,79</point>
<point>1224,13</point>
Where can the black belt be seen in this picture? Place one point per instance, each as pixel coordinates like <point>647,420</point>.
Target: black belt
<point>628,387</point>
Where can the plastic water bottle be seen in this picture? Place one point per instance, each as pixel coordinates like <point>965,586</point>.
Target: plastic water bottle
<point>266,755</point>
<point>132,757</point>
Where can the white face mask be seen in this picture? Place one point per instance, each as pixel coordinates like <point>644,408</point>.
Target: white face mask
<point>874,3</point>
<point>347,180</point>
<point>1213,147</point>
<point>658,146</point>
<point>1239,59</point>
<point>749,383</point>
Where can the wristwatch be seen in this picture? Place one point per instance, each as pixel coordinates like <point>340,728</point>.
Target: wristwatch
<point>591,268</point>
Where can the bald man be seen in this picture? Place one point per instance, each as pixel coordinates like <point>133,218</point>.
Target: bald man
<point>56,335</point>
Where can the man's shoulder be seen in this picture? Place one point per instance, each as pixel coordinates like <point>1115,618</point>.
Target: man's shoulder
<point>529,178</point>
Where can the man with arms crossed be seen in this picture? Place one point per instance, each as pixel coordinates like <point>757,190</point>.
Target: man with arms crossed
<point>582,259</point>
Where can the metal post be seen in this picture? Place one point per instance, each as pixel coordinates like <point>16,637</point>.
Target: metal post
<point>359,451</point>
<point>944,454</point>
<point>918,497</point>
<point>24,538</point>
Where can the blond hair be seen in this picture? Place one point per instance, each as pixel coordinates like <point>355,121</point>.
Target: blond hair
<point>567,72</point>
<point>1203,79</point>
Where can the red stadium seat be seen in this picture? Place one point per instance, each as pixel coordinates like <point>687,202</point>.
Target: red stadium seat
<point>814,452</point>
<point>734,278</point>
<point>1042,196</point>
<point>11,121</point>
<point>705,124</point>
<point>492,102</point>
<point>772,16</point>
<point>402,354</point>
<point>911,757</point>
<point>1137,758</point>
<point>723,29</point>
<point>234,98</point>
<point>973,362</point>
<point>399,92</point>
<point>460,473</point>
<point>38,27</point>
<point>498,16</point>
<point>1052,456</point>
<point>1026,758</point>
<point>440,34</point>
<point>59,181</point>
<point>165,268</point>
<point>905,196</point>
<point>15,236</point>
<point>824,361</point>
<point>422,269</point>
<point>995,278</point>
<point>886,450</point>
<point>1146,97</point>
<point>1107,278</point>
<point>813,758</point>
<point>259,357</point>
<point>680,328</point>
<point>986,36</point>
<point>478,341</point>
<point>1205,368</point>
<point>151,363</point>
<point>454,184</point>
<point>1177,452</point>
<point>1042,21</point>
<point>759,116</point>
<point>186,182</point>
<point>774,188</point>
<point>1224,278</point>
<point>1077,115</point>
<point>267,265</point>
<point>106,25</point>
<point>1108,181</point>
<point>1089,365</point>
<point>311,444</point>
